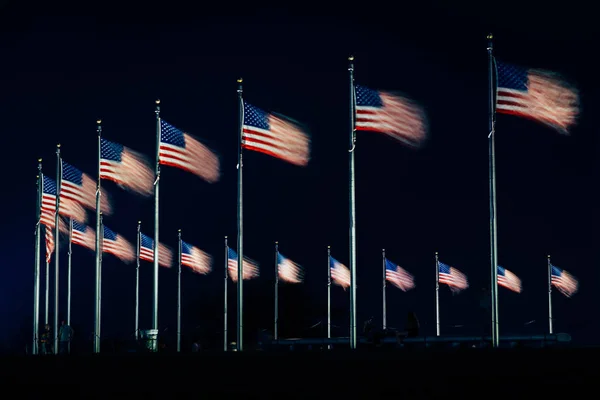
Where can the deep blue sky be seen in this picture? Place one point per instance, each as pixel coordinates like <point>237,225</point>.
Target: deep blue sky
<point>60,73</point>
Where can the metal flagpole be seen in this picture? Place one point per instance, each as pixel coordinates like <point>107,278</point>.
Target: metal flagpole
<point>352,210</point>
<point>550,296</point>
<point>225,295</point>
<point>437,295</point>
<point>156,255</point>
<point>36,270</point>
<point>384,313</point>
<point>276,330</point>
<point>492,177</point>
<point>56,245</point>
<point>240,210</point>
<point>69,277</point>
<point>98,249</point>
<point>179,296</point>
<point>137,283</point>
<point>329,294</point>
<point>47,294</point>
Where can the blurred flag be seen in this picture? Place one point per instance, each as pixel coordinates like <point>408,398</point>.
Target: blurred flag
<point>127,168</point>
<point>250,268</point>
<point>116,245</point>
<point>68,208</point>
<point>509,280</point>
<point>79,187</point>
<point>83,235</point>
<point>339,273</point>
<point>537,95</point>
<point>395,116</point>
<point>398,277</point>
<point>456,280</point>
<point>180,150</point>
<point>49,243</point>
<point>288,270</point>
<point>274,135</point>
<point>564,281</point>
<point>196,259</point>
<point>165,255</point>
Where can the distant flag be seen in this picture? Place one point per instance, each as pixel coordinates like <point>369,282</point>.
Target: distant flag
<point>83,235</point>
<point>180,150</point>
<point>196,259</point>
<point>456,280</point>
<point>250,268</point>
<point>79,187</point>
<point>128,168</point>
<point>165,255</point>
<point>339,273</point>
<point>49,243</point>
<point>398,276</point>
<point>116,245</point>
<point>566,283</point>
<point>68,208</point>
<point>538,95</point>
<point>393,115</point>
<point>509,280</point>
<point>288,270</point>
<point>277,136</point>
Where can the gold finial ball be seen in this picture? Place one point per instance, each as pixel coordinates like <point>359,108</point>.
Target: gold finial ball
<point>351,58</point>
<point>98,121</point>
<point>240,80</point>
<point>39,160</point>
<point>548,255</point>
<point>179,230</point>
<point>58,146</point>
<point>436,253</point>
<point>328,247</point>
<point>37,177</point>
<point>139,222</point>
<point>157,101</point>
<point>490,36</point>
<point>225,237</point>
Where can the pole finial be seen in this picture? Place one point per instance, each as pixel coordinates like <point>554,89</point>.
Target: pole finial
<point>39,160</point>
<point>225,236</point>
<point>240,80</point>
<point>37,177</point>
<point>139,222</point>
<point>98,121</point>
<point>436,253</point>
<point>351,58</point>
<point>490,36</point>
<point>548,255</point>
<point>58,146</point>
<point>328,247</point>
<point>157,101</point>
<point>179,230</point>
<point>276,242</point>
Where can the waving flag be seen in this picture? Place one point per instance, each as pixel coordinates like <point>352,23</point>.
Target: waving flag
<point>68,208</point>
<point>274,135</point>
<point>564,281</point>
<point>83,235</point>
<point>456,280</point>
<point>509,280</point>
<point>538,95</point>
<point>398,277</point>
<point>250,268</point>
<point>196,259</point>
<point>117,246</point>
<point>127,168</point>
<point>79,187</point>
<point>180,150</point>
<point>49,243</point>
<point>165,255</point>
<point>339,273</point>
<point>395,116</point>
<point>288,270</point>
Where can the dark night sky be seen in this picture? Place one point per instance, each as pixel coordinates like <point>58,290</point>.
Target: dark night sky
<point>60,73</point>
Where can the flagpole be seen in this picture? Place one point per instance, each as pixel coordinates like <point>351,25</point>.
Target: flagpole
<point>329,294</point>
<point>69,277</point>
<point>240,212</point>
<point>47,294</point>
<point>225,295</point>
<point>276,331</point>
<point>56,245</point>
<point>98,249</point>
<point>437,295</point>
<point>384,313</point>
<point>352,211</point>
<point>36,270</point>
<point>137,283</point>
<point>550,327</point>
<point>179,296</point>
<point>492,174</point>
<point>156,242</point>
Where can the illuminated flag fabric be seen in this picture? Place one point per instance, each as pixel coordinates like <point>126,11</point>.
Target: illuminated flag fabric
<point>456,280</point>
<point>538,95</point>
<point>116,245</point>
<point>276,136</point>
<point>127,168</point>
<point>250,268</point>
<point>196,259</point>
<point>564,281</point>
<point>165,255</point>
<point>339,273</point>
<point>83,235</point>
<point>49,243</point>
<point>180,150</point>
<point>398,276</point>
<point>288,270</point>
<point>68,208</point>
<point>395,116</point>
<point>509,280</point>
<point>79,187</point>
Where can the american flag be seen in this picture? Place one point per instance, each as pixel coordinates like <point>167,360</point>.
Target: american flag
<point>83,235</point>
<point>116,245</point>
<point>398,276</point>
<point>49,243</point>
<point>452,277</point>
<point>165,255</point>
<point>79,187</point>
<point>395,116</point>
<point>509,280</point>
<point>339,273</point>
<point>180,150</point>
<point>288,270</point>
<point>127,168</point>
<point>537,95</point>
<point>564,281</point>
<point>276,136</point>
<point>250,268</point>
<point>68,208</point>
<point>199,261</point>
